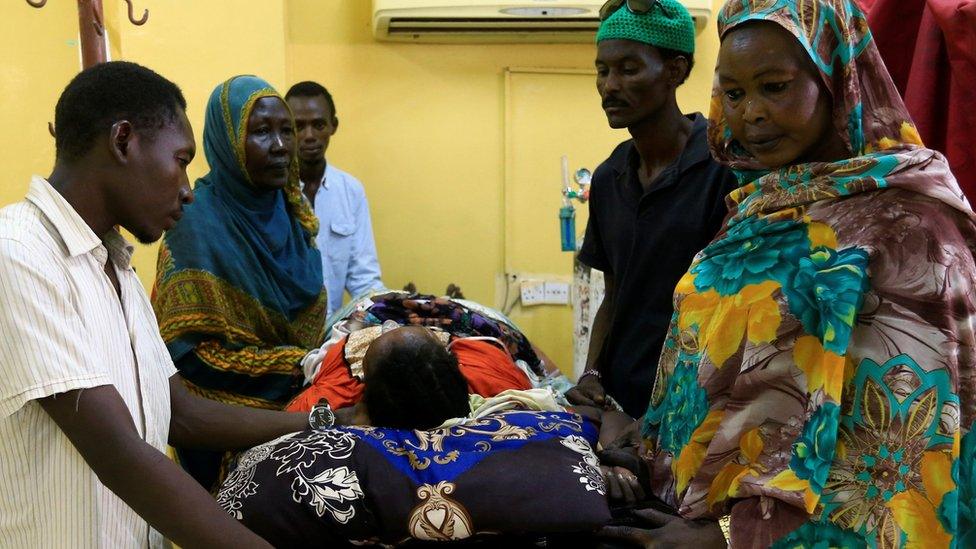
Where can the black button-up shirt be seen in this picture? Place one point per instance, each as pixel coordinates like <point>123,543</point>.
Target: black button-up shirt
<point>646,242</point>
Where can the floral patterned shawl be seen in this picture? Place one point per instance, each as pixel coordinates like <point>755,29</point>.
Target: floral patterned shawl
<point>818,380</point>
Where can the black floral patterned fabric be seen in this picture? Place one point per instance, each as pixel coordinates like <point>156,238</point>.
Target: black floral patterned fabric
<point>513,473</point>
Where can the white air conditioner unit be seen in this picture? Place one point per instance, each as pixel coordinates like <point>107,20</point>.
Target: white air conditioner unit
<point>482,21</point>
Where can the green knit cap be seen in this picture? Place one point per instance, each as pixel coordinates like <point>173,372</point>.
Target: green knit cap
<point>668,25</point>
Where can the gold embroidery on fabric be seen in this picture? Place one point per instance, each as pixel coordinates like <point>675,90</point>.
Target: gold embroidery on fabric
<point>357,344</point>
<point>195,301</point>
<point>438,517</point>
<point>299,206</point>
<point>419,464</point>
<point>249,360</point>
<point>506,432</point>
<point>427,441</point>
<point>230,398</point>
<point>496,428</point>
<point>810,25</point>
<point>164,264</point>
<point>225,109</point>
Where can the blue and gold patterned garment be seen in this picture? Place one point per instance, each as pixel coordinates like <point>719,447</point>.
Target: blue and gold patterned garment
<point>819,380</point>
<point>519,472</point>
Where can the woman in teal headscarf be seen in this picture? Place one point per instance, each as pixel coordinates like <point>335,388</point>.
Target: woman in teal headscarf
<point>239,294</point>
<point>818,386</point>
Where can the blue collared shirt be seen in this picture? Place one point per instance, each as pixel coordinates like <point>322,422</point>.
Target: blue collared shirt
<point>345,238</point>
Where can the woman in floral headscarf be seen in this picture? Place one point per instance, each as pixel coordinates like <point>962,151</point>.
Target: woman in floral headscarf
<point>818,383</point>
<point>239,294</point>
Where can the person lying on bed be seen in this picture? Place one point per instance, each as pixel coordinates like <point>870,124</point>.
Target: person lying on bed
<point>343,377</point>
<point>417,463</point>
<point>493,356</point>
<point>411,380</point>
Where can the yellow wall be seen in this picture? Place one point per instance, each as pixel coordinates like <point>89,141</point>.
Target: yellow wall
<point>40,54</point>
<point>421,125</point>
<point>195,44</point>
<point>199,45</point>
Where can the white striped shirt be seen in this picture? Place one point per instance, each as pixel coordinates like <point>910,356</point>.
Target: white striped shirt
<point>62,328</point>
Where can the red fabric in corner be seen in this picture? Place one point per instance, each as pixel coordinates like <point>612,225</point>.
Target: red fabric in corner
<point>488,369</point>
<point>334,382</point>
<point>929,47</point>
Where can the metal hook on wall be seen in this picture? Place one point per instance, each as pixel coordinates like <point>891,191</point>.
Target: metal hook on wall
<point>97,21</point>
<point>132,15</point>
<point>38,4</point>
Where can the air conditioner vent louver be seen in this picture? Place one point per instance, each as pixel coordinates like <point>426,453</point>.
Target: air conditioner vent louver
<point>498,21</point>
<point>479,25</point>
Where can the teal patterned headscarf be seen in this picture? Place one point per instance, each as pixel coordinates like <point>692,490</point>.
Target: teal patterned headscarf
<point>868,114</point>
<point>241,267</point>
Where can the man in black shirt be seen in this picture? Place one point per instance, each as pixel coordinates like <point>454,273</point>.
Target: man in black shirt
<point>655,202</point>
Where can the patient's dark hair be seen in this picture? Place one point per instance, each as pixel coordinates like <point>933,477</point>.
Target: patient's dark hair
<point>414,384</point>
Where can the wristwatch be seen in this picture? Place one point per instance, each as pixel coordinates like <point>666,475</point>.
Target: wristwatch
<point>321,417</point>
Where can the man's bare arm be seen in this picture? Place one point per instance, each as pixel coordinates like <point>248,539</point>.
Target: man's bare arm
<point>99,425</point>
<point>205,424</point>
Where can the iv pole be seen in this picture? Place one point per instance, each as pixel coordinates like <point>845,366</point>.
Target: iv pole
<point>91,30</point>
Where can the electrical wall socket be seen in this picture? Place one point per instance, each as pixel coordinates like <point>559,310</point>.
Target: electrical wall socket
<point>556,293</point>
<point>532,292</point>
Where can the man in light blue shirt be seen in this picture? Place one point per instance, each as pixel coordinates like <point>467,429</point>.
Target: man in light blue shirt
<point>345,238</point>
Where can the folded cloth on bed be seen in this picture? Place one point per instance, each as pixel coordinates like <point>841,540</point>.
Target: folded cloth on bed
<point>513,473</point>
<point>538,400</point>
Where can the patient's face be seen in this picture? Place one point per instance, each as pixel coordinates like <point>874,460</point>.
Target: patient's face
<point>269,147</point>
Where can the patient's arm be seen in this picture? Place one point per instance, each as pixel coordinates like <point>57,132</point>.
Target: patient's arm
<point>547,362</point>
<point>618,430</point>
<point>620,462</point>
<point>353,415</point>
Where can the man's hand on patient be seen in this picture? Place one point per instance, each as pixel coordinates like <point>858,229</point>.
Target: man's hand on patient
<point>623,487</point>
<point>588,392</point>
<point>660,530</point>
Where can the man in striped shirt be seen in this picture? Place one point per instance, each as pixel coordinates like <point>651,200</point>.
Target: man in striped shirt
<point>89,397</point>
